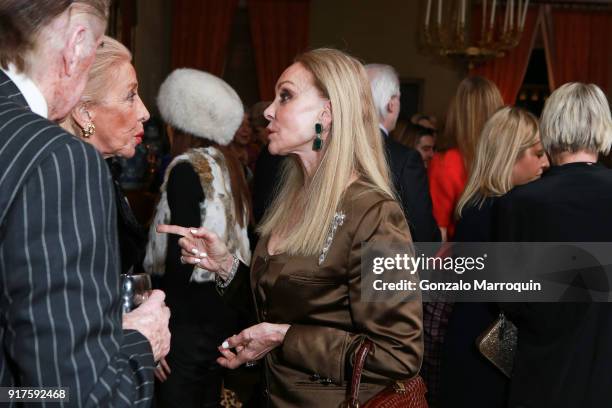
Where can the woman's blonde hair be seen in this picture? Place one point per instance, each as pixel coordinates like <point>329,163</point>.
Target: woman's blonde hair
<point>109,55</point>
<point>505,137</point>
<point>475,101</point>
<point>354,146</point>
<point>576,117</point>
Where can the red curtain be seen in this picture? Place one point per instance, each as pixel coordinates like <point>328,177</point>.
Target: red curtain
<point>508,71</point>
<point>280,31</point>
<point>578,46</point>
<point>200,33</point>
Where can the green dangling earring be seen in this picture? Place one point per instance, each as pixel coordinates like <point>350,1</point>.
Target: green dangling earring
<point>317,143</point>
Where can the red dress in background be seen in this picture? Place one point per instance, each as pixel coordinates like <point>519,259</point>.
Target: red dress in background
<point>447,178</point>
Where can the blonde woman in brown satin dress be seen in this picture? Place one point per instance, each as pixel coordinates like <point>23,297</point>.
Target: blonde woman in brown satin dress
<point>305,275</point>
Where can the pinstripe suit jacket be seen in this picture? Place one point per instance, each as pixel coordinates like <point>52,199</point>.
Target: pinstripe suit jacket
<point>60,320</point>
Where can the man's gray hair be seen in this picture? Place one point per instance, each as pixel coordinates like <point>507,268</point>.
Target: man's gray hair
<point>385,85</point>
<point>22,20</point>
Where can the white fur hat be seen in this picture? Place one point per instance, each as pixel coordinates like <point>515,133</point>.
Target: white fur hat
<point>201,104</point>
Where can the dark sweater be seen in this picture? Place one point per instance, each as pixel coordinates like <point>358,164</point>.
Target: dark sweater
<point>564,355</point>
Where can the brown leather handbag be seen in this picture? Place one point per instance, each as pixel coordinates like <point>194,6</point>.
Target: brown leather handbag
<point>401,394</point>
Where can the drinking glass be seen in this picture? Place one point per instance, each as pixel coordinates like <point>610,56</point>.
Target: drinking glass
<point>135,289</point>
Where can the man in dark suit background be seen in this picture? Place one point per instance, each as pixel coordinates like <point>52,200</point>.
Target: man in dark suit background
<point>406,165</point>
<point>564,353</point>
<point>60,316</point>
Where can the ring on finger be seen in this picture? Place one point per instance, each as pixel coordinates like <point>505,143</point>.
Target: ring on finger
<point>182,260</point>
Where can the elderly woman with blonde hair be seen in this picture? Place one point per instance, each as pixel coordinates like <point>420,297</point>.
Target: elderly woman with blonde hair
<point>110,116</point>
<point>305,275</point>
<point>564,349</point>
<point>508,154</point>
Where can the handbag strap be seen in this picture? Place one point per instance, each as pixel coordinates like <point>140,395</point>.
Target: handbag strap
<point>360,357</point>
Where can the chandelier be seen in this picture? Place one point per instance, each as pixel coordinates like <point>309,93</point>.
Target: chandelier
<point>450,35</point>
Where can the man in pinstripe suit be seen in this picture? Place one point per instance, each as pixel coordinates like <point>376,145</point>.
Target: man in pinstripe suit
<point>60,318</point>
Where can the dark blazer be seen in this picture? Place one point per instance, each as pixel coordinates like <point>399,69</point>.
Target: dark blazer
<point>60,316</point>
<point>410,182</point>
<point>564,355</point>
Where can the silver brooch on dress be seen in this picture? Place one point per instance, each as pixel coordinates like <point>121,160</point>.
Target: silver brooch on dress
<point>336,222</point>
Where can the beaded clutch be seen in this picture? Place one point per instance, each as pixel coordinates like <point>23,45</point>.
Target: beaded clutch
<point>498,344</point>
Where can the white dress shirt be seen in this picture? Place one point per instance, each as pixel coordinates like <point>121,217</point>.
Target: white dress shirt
<point>35,99</point>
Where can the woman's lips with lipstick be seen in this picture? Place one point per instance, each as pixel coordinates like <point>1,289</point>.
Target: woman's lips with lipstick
<point>270,130</point>
<point>139,137</point>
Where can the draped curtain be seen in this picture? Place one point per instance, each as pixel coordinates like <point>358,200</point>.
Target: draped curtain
<point>279,29</point>
<point>128,21</point>
<point>578,46</point>
<point>508,72</point>
<point>200,33</point>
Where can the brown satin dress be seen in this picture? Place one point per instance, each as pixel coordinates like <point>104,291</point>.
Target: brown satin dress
<point>327,317</point>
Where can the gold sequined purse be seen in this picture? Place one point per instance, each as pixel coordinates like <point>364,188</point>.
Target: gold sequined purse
<point>498,344</point>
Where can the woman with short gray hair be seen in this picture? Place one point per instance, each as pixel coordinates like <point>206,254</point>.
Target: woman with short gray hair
<point>110,116</point>
<point>564,349</point>
<point>577,119</point>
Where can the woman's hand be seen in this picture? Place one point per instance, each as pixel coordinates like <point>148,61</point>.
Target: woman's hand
<point>252,344</point>
<point>162,371</point>
<point>201,247</point>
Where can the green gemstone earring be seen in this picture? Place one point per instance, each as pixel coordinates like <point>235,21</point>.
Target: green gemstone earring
<point>317,143</point>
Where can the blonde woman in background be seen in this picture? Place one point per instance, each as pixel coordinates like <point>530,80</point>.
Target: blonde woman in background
<point>110,116</point>
<point>509,153</point>
<point>476,100</point>
<point>306,270</point>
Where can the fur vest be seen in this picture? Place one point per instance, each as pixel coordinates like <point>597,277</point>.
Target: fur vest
<point>217,212</point>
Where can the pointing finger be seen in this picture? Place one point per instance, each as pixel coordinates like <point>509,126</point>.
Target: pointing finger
<point>173,229</point>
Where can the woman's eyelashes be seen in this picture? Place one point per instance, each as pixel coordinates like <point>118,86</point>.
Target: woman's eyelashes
<point>132,95</point>
<point>284,95</point>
